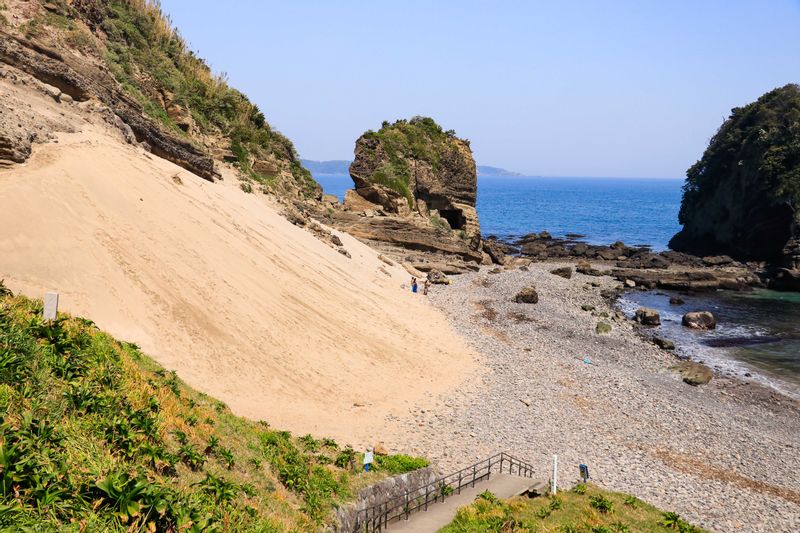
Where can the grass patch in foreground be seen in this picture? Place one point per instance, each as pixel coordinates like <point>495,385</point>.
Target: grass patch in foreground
<point>585,509</point>
<point>95,436</point>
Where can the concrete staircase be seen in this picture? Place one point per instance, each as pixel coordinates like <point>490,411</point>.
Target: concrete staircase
<point>433,506</point>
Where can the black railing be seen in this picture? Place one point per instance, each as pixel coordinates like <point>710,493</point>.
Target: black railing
<point>377,517</point>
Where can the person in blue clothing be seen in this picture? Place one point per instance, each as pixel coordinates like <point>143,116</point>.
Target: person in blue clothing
<point>414,284</point>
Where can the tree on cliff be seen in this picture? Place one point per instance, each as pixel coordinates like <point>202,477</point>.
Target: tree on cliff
<point>743,195</point>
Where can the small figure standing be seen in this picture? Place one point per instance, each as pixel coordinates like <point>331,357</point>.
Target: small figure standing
<point>413,285</point>
<point>368,458</point>
<point>425,287</point>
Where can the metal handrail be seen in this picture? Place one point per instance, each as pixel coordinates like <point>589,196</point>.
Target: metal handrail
<point>377,517</point>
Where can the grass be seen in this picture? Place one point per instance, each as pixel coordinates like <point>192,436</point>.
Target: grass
<point>96,436</point>
<point>585,509</point>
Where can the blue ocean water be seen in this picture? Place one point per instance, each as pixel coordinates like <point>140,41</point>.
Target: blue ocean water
<point>633,210</point>
<point>604,210</point>
<point>335,184</point>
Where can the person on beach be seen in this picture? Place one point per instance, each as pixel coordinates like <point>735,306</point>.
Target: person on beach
<point>425,287</point>
<point>368,458</point>
<point>413,284</point>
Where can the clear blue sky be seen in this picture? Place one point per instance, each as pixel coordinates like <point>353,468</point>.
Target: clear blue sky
<point>558,88</point>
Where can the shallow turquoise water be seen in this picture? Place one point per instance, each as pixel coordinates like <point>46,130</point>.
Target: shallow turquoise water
<point>757,332</point>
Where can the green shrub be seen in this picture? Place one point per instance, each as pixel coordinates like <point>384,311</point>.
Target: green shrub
<point>601,503</point>
<point>487,496</point>
<point>345,458</point>
<point>399,464</point>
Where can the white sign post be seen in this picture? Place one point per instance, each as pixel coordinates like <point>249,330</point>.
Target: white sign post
<point>555,475</point>
<point>50,305</point>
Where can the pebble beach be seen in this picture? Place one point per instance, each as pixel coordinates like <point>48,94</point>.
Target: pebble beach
<point>722,455</point>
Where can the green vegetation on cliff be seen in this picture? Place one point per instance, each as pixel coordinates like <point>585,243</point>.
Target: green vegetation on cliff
<point>585,509</point>
<point>762,140</point>
<point>94,436</point>
<point>420,138</point>
<point>741,198</point>
<point>174,86</point>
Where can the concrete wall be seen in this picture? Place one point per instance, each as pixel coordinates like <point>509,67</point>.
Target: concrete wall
<point>381,492</point>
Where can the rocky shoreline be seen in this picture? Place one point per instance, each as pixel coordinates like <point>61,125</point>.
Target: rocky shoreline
<point>720,454</point>
<point>664,270</point>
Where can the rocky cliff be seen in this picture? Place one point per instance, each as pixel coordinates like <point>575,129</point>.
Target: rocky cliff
<point>742,198</point>
<point>126,57</point>
<point>417,184</point>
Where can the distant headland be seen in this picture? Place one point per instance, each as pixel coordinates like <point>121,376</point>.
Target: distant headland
<point>342,166</point>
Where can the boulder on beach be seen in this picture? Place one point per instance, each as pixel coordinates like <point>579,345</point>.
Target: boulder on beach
<point>603,328</point>
<point>664,344</point>
<point>694,373</point>
<point>528,295</point>
<point>703,320</point>
<point>436,276</point>
<point>495,250</point>
<point>717,260</point>
<point>585,267</point>
<point>564,272</point>
<point>647,317</point>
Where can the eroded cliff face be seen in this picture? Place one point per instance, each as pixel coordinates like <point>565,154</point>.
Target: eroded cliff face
<point>743,197</point>
<point>423,180</point>
<point>126,58</point>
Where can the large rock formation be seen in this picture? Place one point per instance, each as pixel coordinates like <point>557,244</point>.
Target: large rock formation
<point>415,190</point>
<point>743,197</point>
<point>414,168</point>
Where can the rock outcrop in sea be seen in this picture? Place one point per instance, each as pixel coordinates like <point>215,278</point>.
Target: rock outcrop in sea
<point>415,189</point>
<point>742,198</point>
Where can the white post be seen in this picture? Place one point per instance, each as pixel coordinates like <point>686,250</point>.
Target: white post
<point>50,306</point>
<point>554,488</point>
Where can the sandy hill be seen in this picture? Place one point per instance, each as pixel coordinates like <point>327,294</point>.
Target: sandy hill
<point>214,283</point>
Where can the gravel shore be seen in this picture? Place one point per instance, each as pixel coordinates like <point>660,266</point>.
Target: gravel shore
<point>722,455</point>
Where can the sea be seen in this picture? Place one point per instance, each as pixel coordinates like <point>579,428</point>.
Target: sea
<point>758,333</point>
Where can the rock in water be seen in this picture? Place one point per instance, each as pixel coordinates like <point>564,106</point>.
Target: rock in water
<point>528,295</point>
<point>699,320</point>
<point>755,153</point>
<point>647,317</point>
<point>694,373</point>
<point>784,279</point>
<point>676,301</point>
<point>564,272</point>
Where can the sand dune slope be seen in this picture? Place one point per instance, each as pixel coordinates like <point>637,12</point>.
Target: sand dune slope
<point>217,286</point>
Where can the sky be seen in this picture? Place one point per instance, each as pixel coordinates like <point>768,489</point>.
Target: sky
<point>553,88</point>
